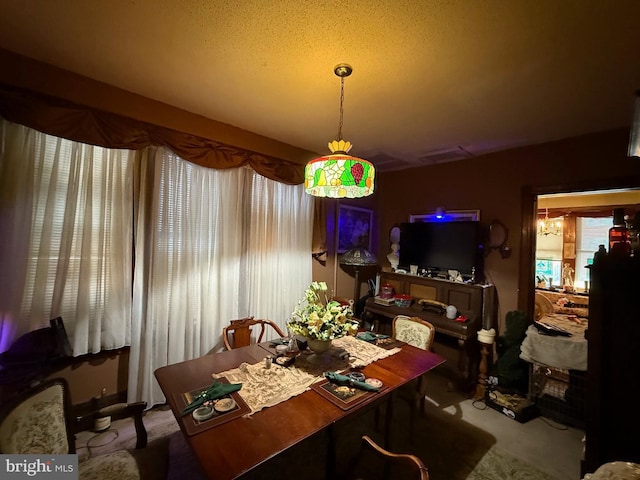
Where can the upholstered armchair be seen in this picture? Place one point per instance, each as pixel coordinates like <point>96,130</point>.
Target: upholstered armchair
<point>39,421</point>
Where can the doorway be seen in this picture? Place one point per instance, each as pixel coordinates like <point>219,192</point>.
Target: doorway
<point>571,228</point>
<point>602,197</point>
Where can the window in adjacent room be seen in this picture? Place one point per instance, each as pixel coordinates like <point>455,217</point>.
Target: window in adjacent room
<point>590,233</point>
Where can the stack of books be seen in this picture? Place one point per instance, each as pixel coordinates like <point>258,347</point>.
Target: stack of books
<point>383,301</point>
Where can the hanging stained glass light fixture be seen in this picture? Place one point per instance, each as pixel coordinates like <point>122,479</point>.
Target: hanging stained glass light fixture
<point>339,175</point>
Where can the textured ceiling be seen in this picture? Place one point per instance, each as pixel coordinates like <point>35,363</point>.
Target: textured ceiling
<point>433,80</point>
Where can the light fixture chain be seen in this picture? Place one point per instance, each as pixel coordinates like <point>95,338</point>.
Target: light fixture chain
<point>341,109</point>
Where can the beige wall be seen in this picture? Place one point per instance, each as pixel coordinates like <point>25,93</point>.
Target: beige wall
<point>493,184</point>
<point>92,376</point>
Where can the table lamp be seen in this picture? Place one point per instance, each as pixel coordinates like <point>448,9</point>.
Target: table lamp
<point>357,257</point>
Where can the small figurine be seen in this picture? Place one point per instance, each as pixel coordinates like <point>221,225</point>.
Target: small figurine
<point>567,278</point>
<point>393,256</point>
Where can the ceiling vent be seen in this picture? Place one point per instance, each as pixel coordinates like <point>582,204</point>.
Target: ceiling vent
<point>443,155</point>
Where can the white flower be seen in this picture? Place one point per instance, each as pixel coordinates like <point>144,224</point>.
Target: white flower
<point>319,318</point>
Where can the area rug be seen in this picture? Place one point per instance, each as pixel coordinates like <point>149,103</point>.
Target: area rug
<point>496,464</point>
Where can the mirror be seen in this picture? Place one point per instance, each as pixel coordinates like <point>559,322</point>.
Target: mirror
<point>394,235</point>
<point>497,234</point>
<point>498,239</point>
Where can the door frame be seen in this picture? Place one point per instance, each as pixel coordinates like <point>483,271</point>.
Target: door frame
<point>529,203</point>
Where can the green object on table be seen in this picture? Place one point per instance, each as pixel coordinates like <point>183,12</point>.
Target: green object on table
<point>370,336</point>
<point>338,379</point>
<point>215,391</point>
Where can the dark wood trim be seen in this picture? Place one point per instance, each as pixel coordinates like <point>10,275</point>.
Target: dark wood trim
<point>529,202</point>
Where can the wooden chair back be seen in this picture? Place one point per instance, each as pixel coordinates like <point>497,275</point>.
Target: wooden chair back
<point>396,465</point>
<point>414,331</point>
<point>240,330</point>
<point>419,333</point>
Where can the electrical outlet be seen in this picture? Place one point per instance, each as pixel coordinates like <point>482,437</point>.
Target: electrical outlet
<point>492,380</point>
<point>104,392</point>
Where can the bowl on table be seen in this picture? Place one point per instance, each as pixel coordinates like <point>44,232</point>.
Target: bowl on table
<point>403,300</point>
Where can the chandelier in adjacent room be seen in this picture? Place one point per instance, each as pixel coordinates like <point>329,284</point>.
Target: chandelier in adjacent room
<point>549,226</point>
<point>339,175</point>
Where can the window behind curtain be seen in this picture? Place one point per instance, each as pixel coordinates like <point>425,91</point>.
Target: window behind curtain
<point>74,249</point>
<point>216,245</point>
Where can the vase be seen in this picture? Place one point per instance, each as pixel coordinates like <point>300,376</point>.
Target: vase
<point>319,349</point>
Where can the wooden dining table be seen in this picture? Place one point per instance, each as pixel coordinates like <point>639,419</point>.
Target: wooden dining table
<point>221,450</point>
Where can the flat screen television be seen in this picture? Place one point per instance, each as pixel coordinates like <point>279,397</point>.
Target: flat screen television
<point>441,246</point>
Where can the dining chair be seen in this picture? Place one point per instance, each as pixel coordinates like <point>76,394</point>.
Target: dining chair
<point>39,420</point>
<point>396,465</point>
<point>238,332</point>
<point>419,333</point>
<point>542,306</point>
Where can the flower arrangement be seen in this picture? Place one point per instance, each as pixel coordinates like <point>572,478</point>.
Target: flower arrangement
<point>319,318</point>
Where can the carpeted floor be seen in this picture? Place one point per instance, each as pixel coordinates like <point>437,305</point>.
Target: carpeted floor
<point>451,448</point>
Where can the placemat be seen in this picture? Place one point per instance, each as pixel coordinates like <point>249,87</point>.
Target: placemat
<point>345,401</point>
<point>193,426</point>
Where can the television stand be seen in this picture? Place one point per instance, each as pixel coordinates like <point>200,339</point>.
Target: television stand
<point>460,340</point>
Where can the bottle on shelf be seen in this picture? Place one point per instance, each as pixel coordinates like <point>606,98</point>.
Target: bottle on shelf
<point>619,244</point>
<point>634,234</point>
<point>600,254</point>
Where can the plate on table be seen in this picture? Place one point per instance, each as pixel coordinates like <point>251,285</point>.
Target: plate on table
<point>283,360</point>
<point>374,382</point>
<point>388,343</point>
<point>224,409</point>
<point>224,405</point>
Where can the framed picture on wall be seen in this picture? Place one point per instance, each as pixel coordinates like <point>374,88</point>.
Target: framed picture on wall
<point>354,228</point>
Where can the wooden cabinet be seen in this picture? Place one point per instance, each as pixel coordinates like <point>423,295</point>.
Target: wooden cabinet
<point>475,301</point>
<point>613,421</point>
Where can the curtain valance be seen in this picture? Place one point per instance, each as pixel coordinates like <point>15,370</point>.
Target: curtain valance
<point>84,124</point>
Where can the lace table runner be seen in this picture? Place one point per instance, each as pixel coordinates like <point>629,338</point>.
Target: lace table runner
<point>265,387</point>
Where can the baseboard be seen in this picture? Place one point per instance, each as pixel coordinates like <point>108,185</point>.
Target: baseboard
<point>84,413</point>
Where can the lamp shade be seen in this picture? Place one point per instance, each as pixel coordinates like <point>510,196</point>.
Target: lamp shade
<point>358,257</point>
<point>339,176</point>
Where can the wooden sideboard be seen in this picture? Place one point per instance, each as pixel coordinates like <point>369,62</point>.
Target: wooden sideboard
<point>475,301</point>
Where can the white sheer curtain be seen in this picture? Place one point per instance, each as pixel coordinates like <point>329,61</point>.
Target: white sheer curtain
<point>277,261</point>
<point>65,247</point>
<point>211,246</point>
